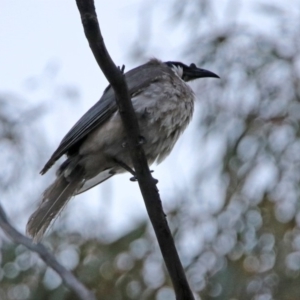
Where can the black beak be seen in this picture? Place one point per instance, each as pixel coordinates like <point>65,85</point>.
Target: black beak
<point>192,72</point>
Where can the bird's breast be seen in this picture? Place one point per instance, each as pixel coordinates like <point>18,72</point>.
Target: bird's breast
<point>164,110</point>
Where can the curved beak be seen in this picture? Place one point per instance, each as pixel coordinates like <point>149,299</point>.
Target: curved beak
<point>192,72</point>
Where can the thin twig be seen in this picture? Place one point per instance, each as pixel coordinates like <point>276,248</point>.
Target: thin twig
<point>68,278</point>
<point>146,182</point>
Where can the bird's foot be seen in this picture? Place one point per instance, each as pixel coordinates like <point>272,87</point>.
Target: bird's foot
<point>131,171</point>
<point>125,167</point>
<point>133,179</point>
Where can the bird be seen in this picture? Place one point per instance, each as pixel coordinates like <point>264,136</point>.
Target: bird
<point>95,147</point>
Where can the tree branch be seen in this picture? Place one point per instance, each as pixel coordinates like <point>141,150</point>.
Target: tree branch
<point>68,278</point>
<point>146,182</point>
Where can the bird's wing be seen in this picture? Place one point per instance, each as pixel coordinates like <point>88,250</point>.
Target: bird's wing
<point>137,79</point>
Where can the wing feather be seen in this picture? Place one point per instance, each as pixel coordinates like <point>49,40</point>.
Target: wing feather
<point>137,79</point>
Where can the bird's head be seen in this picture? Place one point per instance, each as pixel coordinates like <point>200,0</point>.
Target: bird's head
<point>188,73</point>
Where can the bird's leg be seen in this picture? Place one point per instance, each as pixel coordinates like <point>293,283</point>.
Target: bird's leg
<point>127,168</point>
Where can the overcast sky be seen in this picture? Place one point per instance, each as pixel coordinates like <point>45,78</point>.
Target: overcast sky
<point>36,35</point>
<point>40,35</point>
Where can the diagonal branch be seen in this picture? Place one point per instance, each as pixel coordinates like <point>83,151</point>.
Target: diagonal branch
<point>68,278</point>
<point>146,182</point>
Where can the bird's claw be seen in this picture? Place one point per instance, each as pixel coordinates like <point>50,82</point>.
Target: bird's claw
<point>133,179</point>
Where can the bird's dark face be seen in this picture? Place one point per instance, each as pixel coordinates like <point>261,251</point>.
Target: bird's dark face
<point>188,73</point>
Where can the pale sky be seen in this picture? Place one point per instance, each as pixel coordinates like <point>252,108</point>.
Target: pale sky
<point>36,33</point>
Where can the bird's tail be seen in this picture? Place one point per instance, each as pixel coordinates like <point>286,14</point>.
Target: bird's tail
<point>54,200</point>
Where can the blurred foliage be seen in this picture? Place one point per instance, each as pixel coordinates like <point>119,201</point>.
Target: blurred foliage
<point>249,135</point>
<point>237,223</point>
<point>16,128</point>
<point>108,268</point>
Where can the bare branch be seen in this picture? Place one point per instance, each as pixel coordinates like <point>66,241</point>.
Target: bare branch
<point>68,278</point>
<point>146,182</point>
